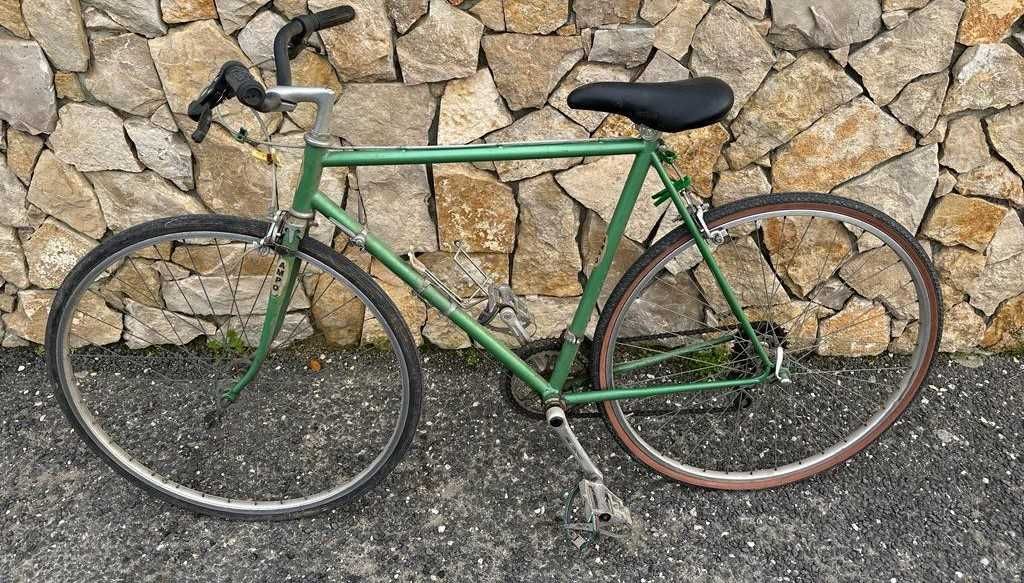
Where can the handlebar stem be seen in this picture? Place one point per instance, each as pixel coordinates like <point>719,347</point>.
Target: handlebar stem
<point>323,98</point>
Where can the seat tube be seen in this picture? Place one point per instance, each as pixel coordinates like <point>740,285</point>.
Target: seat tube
<point>616,229</point>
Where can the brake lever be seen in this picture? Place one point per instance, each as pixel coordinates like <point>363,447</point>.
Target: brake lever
<point>201,110</point>
<point>295,49</point>
<point>205,120</point>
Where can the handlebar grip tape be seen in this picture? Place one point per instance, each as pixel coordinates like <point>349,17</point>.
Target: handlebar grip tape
<point>247,89</point>
<point>333,17</point>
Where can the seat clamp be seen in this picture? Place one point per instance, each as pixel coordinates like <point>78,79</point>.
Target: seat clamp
<point>571,338</point>
<point>647,134</point>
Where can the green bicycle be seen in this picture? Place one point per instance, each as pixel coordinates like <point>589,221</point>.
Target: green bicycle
<point>754,345</point>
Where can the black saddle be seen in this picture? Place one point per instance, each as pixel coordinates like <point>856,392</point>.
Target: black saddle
<point>667,107</point>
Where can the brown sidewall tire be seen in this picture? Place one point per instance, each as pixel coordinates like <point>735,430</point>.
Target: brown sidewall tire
<point>680,236</point>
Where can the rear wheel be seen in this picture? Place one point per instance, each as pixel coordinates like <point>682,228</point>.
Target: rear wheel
<point>841,291</point>
<point>158,322</point>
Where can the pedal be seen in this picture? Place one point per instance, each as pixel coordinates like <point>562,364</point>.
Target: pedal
<point>605,508</point>
<point>604,513</point>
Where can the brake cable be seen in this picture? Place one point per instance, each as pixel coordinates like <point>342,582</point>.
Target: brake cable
<point>242,136</point>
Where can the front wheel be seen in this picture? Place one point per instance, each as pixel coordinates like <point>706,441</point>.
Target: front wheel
<point>156,324</point>
<point>838,291</point>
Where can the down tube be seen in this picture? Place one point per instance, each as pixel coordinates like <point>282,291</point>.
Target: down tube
<point>380,251</point>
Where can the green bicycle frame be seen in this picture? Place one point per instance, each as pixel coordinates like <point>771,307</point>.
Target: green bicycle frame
<point>646,153</point>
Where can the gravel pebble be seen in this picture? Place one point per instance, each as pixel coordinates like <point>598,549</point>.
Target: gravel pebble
<point>462,506</point>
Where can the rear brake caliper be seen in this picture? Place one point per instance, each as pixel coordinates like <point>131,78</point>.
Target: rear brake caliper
<point>683,185</point>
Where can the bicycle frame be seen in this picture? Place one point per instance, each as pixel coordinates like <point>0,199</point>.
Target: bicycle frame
<point>647,153</point>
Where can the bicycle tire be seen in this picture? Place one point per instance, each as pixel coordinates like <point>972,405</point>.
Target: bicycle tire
<point>732,214</point>
<point>388,314</point>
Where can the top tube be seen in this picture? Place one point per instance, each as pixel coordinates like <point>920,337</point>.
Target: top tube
<point>442,154</point>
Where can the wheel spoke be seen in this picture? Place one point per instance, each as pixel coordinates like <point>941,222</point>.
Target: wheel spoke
<point>821,404</point>
<point>144,367</point>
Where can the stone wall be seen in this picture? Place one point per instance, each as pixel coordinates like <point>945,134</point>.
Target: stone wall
<point>910,105</point>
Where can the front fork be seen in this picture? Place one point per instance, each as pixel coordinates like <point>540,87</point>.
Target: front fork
<point>286,232</point>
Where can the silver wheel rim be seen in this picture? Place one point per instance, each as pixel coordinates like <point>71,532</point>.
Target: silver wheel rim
<point>853,440</point>
<point>187,494</point>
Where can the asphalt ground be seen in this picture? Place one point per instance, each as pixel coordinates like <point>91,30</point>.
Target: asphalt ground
<point>939,498</point>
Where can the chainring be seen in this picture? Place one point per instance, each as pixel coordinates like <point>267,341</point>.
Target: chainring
<point>541,356</point>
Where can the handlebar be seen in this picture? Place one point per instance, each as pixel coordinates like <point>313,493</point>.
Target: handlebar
<point>291,38</point>
<point>235,80</point>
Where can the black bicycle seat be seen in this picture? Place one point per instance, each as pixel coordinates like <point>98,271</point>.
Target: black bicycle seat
<point>670,107</point>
